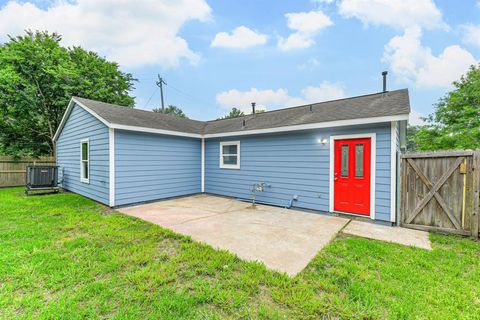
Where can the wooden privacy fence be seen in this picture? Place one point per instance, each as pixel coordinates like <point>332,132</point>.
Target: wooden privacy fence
<point>12,171</point>
<point>440,191</point>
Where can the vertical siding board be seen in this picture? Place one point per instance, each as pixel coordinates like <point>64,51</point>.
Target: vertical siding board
<point>81,125</point>
<point>152,166</point>
<point>294,163</point>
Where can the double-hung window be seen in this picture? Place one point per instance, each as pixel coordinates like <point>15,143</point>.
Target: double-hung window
<point>85,161</point>
<point>230,155</point>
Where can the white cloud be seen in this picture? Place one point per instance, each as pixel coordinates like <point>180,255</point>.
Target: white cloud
<point>415,118</point>
<point>412,62</point>
<point>240,38</point>
<point>324,92</point>
<point>309,64</point>
<point>130,32</point>
<point>274,99</point>
<point>306,26</point>
<point>322,1</point>
<point>398,14</point>
<point>471,34</point>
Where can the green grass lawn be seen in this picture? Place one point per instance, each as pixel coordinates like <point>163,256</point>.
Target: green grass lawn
<point>66,257</point>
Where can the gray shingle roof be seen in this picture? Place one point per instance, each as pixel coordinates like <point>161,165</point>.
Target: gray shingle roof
<point>373,105</point>
<point>142,118</point>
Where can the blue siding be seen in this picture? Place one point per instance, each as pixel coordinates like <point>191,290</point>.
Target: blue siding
<point>81,125</point>
<point>294,164</point>
<point>152,166</point>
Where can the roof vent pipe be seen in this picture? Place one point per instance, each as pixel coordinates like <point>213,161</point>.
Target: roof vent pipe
<point>384,74</point>
<point>253,107</point>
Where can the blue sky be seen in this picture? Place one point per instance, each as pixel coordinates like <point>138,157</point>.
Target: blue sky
<point>218,54</point>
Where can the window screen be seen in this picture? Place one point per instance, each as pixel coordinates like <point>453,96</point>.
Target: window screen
<point>344,165</point>
<point>359,160</point>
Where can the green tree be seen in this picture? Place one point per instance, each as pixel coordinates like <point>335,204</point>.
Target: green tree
<point>234,113</point>
<point>455,124</point>
<point>37,79</point>
<point>173,110</point>
<point>411,133</point>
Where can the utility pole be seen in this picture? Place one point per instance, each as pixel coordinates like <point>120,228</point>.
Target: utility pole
<point>160,84</point>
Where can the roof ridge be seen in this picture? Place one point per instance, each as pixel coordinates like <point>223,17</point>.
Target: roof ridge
<point>311,104</point>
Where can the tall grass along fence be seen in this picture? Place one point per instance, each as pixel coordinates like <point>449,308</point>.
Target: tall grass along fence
<point>12,171</point>
<point>440,191</point>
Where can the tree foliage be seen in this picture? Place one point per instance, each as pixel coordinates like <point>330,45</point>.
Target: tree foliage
<point>37,79</point>
<point>172,110</point>
<point>455,124</point>
<point>234,113</point>
<point>411,133</point>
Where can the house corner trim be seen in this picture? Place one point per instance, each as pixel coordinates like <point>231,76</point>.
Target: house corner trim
<point>111,163</point>
<point>393,171</point>
<point>203,166</point>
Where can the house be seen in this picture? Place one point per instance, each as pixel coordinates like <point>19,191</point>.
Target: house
<point>334,156</point>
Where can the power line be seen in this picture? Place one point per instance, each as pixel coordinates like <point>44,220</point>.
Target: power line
<point>192,98</point>
<point>161,81</point>
<point>151,96</point>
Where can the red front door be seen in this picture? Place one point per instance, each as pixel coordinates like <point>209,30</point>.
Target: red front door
<point>352,176</point>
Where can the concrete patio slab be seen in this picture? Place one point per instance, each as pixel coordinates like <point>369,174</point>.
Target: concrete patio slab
<point>284,240</point>
<point>408,237</point>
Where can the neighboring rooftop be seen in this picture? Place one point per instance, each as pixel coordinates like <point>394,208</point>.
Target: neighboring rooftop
<point>390,103</point>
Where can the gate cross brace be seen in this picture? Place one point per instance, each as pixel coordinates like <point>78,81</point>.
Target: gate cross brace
<point>434,191</point>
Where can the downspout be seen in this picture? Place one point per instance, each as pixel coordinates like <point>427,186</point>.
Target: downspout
<point>203,166</point>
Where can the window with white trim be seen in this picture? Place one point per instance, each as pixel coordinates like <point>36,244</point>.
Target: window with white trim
<point>230,155</point>
<point>85,161</point>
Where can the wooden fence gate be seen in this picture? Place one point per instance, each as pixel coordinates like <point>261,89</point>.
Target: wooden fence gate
<point>440,191</point>
<point>12,171</point>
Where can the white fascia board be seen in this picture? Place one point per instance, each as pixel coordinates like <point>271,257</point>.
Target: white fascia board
<point>157,131</point>
<point>64,120</point>
<point>318,125</point>
<point>69,110</point>
<point>119,126</point>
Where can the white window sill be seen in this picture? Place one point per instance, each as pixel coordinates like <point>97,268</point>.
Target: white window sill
<point>225,166</point>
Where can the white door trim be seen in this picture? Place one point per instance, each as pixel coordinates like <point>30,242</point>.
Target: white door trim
<point>373,155</point>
